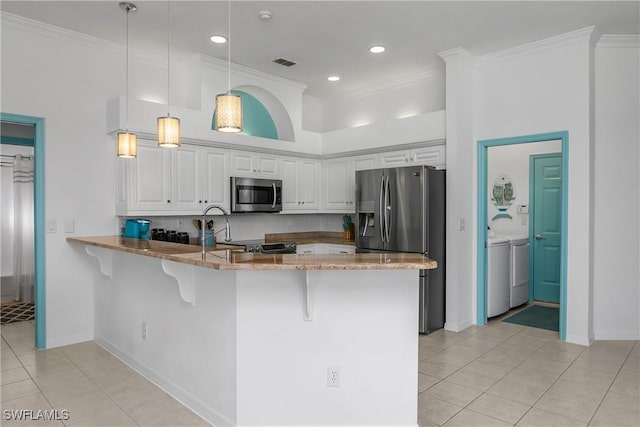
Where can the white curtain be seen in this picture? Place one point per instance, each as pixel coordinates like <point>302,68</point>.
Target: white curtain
<point>23,231</point>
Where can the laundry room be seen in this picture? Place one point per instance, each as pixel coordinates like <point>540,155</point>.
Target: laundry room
<point>523,231</point>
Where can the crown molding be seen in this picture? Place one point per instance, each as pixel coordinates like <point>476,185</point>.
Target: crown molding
<point>456,52</point>
<point>562,40</point>
<point>64,35</point>
<point>220,65</point>
<point>619,41</point>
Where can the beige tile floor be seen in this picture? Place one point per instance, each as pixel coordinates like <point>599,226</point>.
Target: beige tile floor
<point>504,374</point>
<point>500,374</point>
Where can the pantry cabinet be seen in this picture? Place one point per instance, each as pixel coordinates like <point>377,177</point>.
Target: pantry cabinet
<point>300,184</point>
<point>340,180</point>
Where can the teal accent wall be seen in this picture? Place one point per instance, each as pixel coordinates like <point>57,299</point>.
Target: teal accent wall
<point>256,120</point>
<point>40,288</point>
<point>481,307</point>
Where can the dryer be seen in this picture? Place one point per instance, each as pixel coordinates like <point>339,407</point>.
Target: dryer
<point>498,270</point>
<point>519,277</point>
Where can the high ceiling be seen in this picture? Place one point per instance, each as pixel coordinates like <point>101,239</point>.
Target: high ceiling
<point>332,37</point>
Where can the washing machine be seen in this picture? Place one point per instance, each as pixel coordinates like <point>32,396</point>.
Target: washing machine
<point>498,275</point>
<point>519,278</point>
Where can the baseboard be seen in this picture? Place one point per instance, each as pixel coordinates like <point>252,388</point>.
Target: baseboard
<point>616,335</point>
<point>67,340</point>
<point>457,327</point>
<point>579,339</point>
<point>204,411</point>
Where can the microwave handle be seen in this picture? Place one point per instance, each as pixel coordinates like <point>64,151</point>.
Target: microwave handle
<point>275,195</point>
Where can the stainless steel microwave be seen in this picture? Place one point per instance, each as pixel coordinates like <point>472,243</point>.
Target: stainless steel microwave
<point>256,195</point>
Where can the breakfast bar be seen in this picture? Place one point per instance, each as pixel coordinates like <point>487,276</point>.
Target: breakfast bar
<point>263,339</point>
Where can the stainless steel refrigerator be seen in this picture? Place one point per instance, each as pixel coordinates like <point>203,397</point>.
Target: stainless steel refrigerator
<point>403,210</point>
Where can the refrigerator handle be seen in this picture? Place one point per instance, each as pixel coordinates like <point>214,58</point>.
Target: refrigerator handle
<point>387,211</point>
<point>382,213</point>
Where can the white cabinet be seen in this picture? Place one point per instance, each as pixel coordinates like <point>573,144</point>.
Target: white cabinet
<point>340,180</point>
<point>300,184</point>
<point>433,155</point>
<point>149,180</point>
<point>312,248</point>
<point>254,165</point>
<point>339,249</point>
<point>164,181</point>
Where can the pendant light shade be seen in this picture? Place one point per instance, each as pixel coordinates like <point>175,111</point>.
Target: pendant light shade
<point>127,145</point>
<point>127,141</point>
<point>168,132</point>
<point>228,113</point>
<point>228,106</point>
<point>168,127</point>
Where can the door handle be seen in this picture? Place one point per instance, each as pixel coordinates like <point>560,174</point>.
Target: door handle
<point>387,213</point>
<point>380,205</point>
<point>275,195</point>
<point>539,237</point>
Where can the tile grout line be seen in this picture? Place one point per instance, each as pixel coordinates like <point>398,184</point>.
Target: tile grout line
<point>610,385</point>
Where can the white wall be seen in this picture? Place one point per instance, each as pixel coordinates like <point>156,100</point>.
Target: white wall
<point>537,88</point>
<point>513,161</point>
<point>416,96</point>
<point>616,293</point>
<point>67,79</point>
<point>6,208</point>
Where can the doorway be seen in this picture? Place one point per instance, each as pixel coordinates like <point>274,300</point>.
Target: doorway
<point>35,125</point>
<point>502,215</point>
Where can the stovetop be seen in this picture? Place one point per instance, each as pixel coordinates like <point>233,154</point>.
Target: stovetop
<point>259,245</point>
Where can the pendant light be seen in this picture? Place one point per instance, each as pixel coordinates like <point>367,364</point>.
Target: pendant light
<point>168,127</point>
<point>229,106</point>
<point>127,141</point>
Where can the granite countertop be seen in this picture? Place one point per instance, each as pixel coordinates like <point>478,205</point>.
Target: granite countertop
<point>309,237</point>
<point>224,257</point>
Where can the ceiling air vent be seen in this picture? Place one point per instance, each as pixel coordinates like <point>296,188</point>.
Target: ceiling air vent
<point>285,62</point>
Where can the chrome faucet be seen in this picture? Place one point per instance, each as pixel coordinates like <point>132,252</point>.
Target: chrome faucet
<point>227,228</point>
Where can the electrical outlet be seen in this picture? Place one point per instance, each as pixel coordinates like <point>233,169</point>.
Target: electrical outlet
<point>69,226</point>
<point>461,224</point>
<point>179,223</point>
<point>144,331</point>
<point>333,376</point>
<point>52,226</point>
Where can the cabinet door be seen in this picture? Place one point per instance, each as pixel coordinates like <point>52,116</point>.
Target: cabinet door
<point>395,158</point>
<point>290,184</point>
<point>216,178</point>
<point>430,156</point>
<point>187,179</point>
<point>242,164</point>
<point>266,166</point>
<point>150,178</point>
<point>308,183</point>
<point>337,184</point>
<point>340,249</point>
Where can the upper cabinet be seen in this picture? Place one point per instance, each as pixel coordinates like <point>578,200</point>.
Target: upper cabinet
<point>254,165</point>
<point>300,184</point>
<point>433,155</point>
<point>164,181</point>
<point>340,180</point>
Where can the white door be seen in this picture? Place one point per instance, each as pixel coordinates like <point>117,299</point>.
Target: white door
<point>308,183</point>
<point>216,179</point>
<point>338,183</point>
<point>150,187</point>
<point>187,179</point>
<point>290,184</point>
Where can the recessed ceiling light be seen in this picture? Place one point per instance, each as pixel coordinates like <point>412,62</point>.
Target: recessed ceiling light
<point>218,39</point>
<point>333,78</point>
<point>377,49</point>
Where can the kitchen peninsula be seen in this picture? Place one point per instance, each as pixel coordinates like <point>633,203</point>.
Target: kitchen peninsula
<point>257,339</point>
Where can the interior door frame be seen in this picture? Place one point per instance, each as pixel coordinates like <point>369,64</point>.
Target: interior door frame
<point>39,223</point>
<point>483,145</point>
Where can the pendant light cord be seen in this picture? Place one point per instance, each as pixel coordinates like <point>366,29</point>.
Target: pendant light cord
<point>126,110</point>
<point>168,57</point>
<point>229,54</point>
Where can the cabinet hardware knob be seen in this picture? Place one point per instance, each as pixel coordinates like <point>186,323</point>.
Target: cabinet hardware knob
<point>168,201</point>
<point>303,203</point>
<point>205,201</point>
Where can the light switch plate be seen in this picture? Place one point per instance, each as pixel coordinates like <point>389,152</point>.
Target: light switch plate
<point>69,226</point>
<point>52,226</point>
